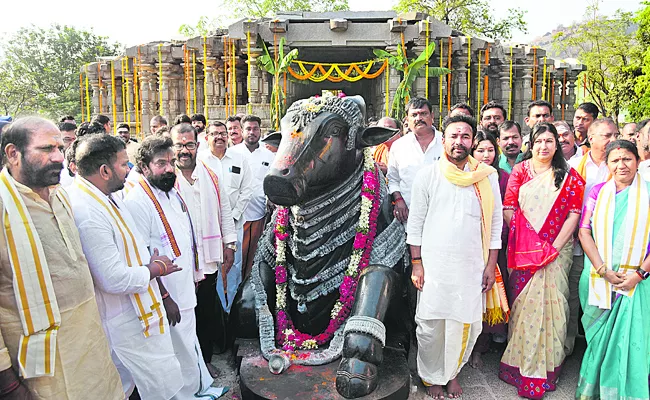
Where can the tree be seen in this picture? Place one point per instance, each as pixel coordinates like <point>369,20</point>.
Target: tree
<point>641,108</point>
<point>39,69</point>
<point>267,8</point>
<point>203,27</point>
<point>611,54</point>
<point>472,17</point>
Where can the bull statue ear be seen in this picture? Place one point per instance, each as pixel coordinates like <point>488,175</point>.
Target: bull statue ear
<point>374,135</point>
<point>273,139</point>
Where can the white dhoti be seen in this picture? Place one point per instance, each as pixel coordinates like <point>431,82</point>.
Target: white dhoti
<point>136,357</point>
<point>444,346</point>
<point>196,377</point>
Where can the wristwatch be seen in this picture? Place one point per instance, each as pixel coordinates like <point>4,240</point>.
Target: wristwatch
<point>643,273</point>
<point>232,246</point>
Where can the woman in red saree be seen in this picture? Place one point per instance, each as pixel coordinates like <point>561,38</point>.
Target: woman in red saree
<point>542,207</point>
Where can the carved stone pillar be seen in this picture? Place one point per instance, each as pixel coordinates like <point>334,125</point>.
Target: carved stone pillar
<point>572,77</point>
<point>255,80</point>
<point>147,81</point>
<point>219,84</point>
<point>210,78</point>
<point>174,74</point>
<point>504,88</point>
<point>265,89</point>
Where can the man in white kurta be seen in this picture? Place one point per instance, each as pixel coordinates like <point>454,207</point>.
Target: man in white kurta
<point>153,198</point>
<point>259,159</point>
<point>449,266</point>
<point>142,353</point>
<point>237,178</point>
<point>202,187</point>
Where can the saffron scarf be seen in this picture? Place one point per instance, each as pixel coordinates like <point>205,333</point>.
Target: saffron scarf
<point>147,306</point>
<point>582,166</point>
<point>635,233</point>
<point>497,309</point>
<point>37,305</point>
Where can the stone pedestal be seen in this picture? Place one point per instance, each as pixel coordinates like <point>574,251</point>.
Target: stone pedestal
<point>316,383</point>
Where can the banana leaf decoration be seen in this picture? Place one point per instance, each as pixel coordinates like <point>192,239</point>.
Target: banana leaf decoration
<point>277,69</point>
<point>411,69</point>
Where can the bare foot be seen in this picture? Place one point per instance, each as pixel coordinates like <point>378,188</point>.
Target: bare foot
<point>214,372</point>
<point>475,360</point>
<point>436,392</point>
<point>454,389</point>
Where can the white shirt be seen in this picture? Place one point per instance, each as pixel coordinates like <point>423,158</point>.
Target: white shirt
<point>65,179</point>
<point>237,180</point>
<point>406,158</point>
<point>191,193</point>
<point>445,220</point>
<point>644,170</point>
<point>578,153</point>
<point>180,285</point>
<point>114,280</point>
<point>595,174</point>
<point>259,161</point>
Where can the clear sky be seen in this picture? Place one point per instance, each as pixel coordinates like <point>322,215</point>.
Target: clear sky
<point>134,22</point>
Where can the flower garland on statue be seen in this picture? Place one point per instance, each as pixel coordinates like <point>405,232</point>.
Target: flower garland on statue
<point>287,336</point>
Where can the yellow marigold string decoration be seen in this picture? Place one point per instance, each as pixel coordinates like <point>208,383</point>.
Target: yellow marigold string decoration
<point>205,78</point>
<point>113,106</point>
<point>510,95</point>
<point>350,72</point>
<point>128,94</point>
<point>87,93</point>
<point>99,88</point>
<point>160,80</point>
<point>81,96</point>
<point>249,106</point>
<point>426,71</point>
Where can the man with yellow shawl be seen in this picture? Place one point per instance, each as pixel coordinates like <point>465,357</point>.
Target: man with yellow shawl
<point>456,197</point>
<point>52,345</point>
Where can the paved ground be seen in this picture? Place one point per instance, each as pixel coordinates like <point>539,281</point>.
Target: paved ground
<point>480,384</point>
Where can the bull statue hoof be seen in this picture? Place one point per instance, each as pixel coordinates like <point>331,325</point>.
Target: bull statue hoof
<point>357,373</point>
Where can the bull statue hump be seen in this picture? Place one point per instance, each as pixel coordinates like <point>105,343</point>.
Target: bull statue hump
<point>328,264</point>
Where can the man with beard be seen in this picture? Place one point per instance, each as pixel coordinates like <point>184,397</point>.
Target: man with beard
<point>509,140</point>
<point>456,197</point>
<point>125,286</point>
<point>259,159</point>
<point>239,187</point>
<point>161,215</point>
<point>233,124</point>
<point>567,140</point>
<point>199,123</point>
<point>157,122</point>
<point>410,153</point>
<point>50,329</point>
<point>492,115</point>
<point>203,189</point>
<point>69,135</point>
<point>592,167</point>
<point>124,132</point>
<point>629,132</point>
<point>585,115</point>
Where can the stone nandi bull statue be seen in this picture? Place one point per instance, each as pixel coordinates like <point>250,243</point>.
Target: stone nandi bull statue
<point>324,271</point>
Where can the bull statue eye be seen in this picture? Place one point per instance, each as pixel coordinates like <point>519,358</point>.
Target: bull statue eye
<point>334,131</point>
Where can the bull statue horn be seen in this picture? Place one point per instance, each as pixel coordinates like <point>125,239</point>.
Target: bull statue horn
<point>361,103</point>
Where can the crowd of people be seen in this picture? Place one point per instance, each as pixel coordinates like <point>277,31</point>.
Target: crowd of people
<point>120,259</point>
<point>499,221</point>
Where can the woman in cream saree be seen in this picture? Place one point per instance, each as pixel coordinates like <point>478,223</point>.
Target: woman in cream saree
<point>543,200</point>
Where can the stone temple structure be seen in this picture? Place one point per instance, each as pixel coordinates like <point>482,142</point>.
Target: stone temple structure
<point>219,75</point>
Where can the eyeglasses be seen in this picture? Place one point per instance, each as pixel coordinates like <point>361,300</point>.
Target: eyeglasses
<point>189,146</point>
<point>215,134</point>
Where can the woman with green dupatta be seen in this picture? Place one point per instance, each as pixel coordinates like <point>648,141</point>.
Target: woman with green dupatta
<point>614,233</point>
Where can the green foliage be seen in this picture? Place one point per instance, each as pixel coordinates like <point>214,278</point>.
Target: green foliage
<point>472,17</point>
<point>203,27</point>
<point>276,67</point>
<point>612,56</point>
<point>410,71</point>
<point>39,69</point>
<point>268,8</point>
<point>641,108</point>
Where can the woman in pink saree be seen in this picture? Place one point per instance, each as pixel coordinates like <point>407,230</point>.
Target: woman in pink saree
<point>542,206</point>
